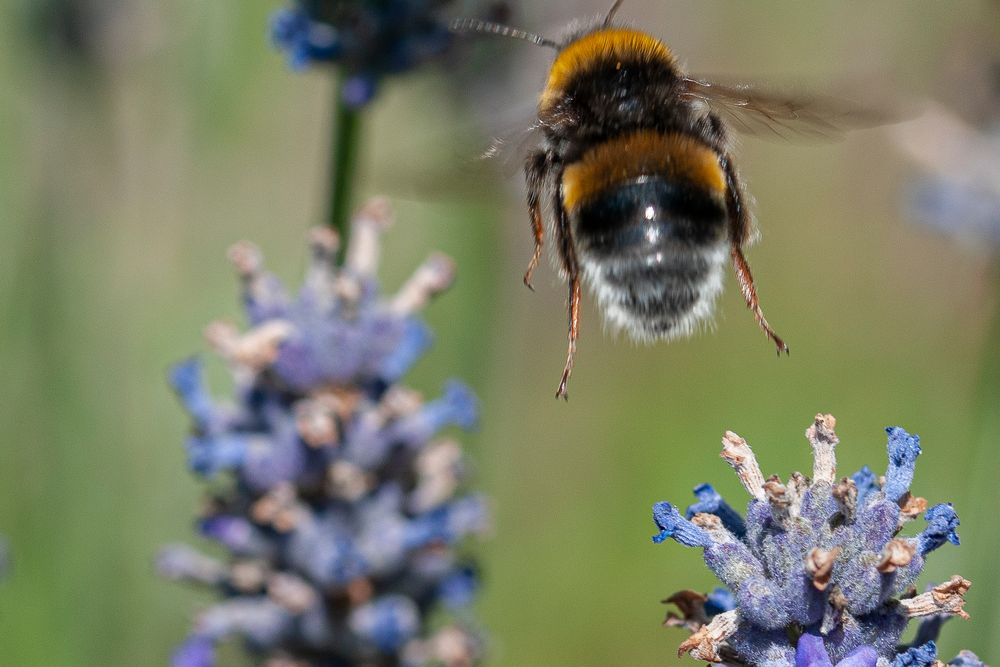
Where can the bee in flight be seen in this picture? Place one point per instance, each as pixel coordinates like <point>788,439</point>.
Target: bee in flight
<point>634,165</point>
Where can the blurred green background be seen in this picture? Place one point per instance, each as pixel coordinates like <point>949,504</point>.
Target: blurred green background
<point>129,166</point>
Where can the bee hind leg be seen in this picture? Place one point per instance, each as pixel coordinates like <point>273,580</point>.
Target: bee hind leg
<point>739,233</point>
<point>749,292</point>
<point>574,333</point>
<point>535,169</point>
<point>567,253</point>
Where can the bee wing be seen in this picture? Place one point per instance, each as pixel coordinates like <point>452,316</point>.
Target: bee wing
<point>510,148</point>
<point>791,116</point>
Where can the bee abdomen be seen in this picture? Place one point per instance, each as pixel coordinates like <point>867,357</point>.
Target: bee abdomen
<point>648,217</point>
<point>659,300</point>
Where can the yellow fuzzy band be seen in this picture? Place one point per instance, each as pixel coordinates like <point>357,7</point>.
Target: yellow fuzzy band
<point>675,156</point>
<point>611,45</point>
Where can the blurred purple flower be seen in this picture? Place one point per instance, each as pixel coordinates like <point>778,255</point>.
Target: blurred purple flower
<point>957,191</point>
<point>815,575</point>
<point>368,39</point>
<point>343,505</point>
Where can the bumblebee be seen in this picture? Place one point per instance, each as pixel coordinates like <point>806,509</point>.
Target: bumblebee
<point>635,168</point>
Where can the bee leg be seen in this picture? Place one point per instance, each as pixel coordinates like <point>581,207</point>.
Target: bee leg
<point>574,333</point>
<point>567,252</point>
<point>535,169</point>
<point>739,233</point>
<point>750,296</point>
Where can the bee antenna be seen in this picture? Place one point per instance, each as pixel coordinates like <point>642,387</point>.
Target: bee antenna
<point>612,12</point>
<point>476,25</point>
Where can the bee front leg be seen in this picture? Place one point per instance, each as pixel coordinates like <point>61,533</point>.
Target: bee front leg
<point>536,168</point>
<point>739,232</point>
<point>567,253</point>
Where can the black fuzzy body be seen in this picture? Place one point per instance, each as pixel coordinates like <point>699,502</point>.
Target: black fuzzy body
<point>653,277</point>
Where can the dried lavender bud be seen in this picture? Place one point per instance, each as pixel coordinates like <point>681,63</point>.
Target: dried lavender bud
<point>815,575</point>
<point>343,507</point>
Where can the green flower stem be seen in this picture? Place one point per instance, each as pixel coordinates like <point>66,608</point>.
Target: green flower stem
<point>343,164</point>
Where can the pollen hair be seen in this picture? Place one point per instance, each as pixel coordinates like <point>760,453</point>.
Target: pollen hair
<point>596,50</point>
<point>624,158</point>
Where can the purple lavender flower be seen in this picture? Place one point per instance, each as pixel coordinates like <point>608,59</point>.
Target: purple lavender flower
<point>957,190</point>
<point>340,505</point>
<point>816,574</point>
<point>369,39</point>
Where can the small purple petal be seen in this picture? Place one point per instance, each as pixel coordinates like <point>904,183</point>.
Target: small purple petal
<point>415,340</point>
<point>261,621</point>
<point>304,41</point>
<point>234,532</point>
<point>942,522</point>
<point>810,652</point>
<point>672,524</point>
<point>459,588</point>
<point>719,600</point>
<point>388,622</point>
<point>954,208</point>
<point>208,455</point>
<point>710,502</point>
<point>358,91</point>
<point>920,656</point>
<point>903,452</point>
<point>867,483</point>
<point>180,562</point>
<point>863,656</point>
<point>187,379</point>
<point>458,406</point>
<point>447,523</point>
<point>194,652</point>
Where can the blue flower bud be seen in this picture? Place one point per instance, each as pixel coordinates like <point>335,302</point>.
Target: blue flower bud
<point>942,522</point>
<point>903,452</point>
<point>920,656</point>
<point>719,600</point>
<point>672,524</point>
<point>710,502</point>
<point>195,652</point>
<point>416,339</point>
<point>388,622</point>
<point>866,482</point>
<point>187,380</point>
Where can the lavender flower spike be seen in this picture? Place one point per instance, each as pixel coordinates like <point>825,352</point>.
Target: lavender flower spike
<point>815,574</point>
<point>339,503</point>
